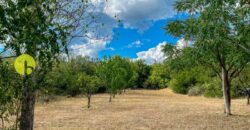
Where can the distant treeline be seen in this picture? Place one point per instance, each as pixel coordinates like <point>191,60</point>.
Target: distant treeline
<point>115,74</point>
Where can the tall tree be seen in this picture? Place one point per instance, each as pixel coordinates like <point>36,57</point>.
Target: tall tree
<point>28,27</point>
<point>213,29</point>
<point>42,29</point>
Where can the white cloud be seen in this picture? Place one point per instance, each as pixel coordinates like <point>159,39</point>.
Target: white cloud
<point>136,44</point>
<point>90,47</point>
<point>153,55</point>
<point>135,14</point>
<point>182,43</point>
<point>139,14</point>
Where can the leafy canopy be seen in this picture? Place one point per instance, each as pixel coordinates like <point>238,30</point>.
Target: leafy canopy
<point>214,27</point>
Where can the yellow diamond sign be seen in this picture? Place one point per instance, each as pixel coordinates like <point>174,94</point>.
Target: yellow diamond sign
<point>25,64</point>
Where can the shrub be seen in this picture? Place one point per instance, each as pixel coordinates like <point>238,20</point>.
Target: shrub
<point>237,89</point>
<point>195,91</point>
<point>177,87</point>
<point>212,89</point>
<point>159,77</point>
<point>149,85</point>
<point>181,82</point>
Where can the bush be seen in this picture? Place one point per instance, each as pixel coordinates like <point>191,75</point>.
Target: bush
<point>195,91</point>
<point>181,82</point>
<point>237,89</point>
<point>212,89</point>
<point>159,77</point>
<point>177,87</point>
<point>149,85</point>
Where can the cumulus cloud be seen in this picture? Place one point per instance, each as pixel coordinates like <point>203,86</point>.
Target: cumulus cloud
<point>134,14</point>
<point>90,47</point>
<point>152,55</point>
<point>139,14</point>
<point>182,43</point>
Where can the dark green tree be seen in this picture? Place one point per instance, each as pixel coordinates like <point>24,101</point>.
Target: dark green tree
<point>143,72</point>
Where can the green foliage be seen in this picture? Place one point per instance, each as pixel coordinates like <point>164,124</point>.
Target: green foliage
<point>63,79</point>
<point>181,59</point>
<point>170,51</point>
<point>117,73</point>
<point>29,26</point>
<point>185,72</point>
<point>10,93</point>
<point>5,93</point>
<point>159,76</point>
<point>83,76</point>
<point>212,88</point>
<point>211,28</point>
<point>88,84</point>
<point>143,72</point>
<point>32,29</point>
<point>135,76</point>
<point>244,77</point>
<point>238,88</point>
<point>182,81</point>
<point>214,27</point>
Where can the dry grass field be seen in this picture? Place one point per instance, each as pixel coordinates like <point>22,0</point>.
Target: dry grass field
<point>142,110</point>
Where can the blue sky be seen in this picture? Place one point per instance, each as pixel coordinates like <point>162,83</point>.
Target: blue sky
<point>128,42</point>
<point>140,35</point>
<point>1,47</point>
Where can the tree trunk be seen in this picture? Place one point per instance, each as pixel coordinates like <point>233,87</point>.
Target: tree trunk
<point>17,114</point>
<point>2,122</point>
<point>27,108</point>
<point>110,97</point>
<point>248,99</point>
<point>89,98</point>
<point>226,92</point>
<point>113,95</point>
